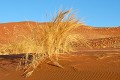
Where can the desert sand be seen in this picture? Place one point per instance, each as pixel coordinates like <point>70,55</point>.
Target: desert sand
<point>84,65</point>
<point>101,62</point>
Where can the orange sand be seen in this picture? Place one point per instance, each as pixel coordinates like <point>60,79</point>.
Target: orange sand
<point>87,65</point>
<point>99,63</point>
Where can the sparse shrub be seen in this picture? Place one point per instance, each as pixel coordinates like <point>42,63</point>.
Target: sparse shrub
<point>46,40</point>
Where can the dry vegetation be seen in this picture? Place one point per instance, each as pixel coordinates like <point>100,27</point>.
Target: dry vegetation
<point>45,41</point>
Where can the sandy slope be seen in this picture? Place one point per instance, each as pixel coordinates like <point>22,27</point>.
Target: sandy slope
<point>81,66</point>
<point>8,31</point>
<point>100,63</point>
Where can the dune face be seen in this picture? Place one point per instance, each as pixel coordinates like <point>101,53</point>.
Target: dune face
<point>8,31</point>
<point>97,37</point>
<point>99,61</point>
<point>81,66</point>
<point>94,33</point>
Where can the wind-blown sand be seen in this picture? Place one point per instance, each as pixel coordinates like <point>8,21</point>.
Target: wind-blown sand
<point>86,65</point>
<point>102,62</point>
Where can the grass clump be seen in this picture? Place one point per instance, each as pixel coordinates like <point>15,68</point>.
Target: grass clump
<point>46,40</point>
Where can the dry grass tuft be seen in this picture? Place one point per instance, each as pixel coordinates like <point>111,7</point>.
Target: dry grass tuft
<point>45,41</point>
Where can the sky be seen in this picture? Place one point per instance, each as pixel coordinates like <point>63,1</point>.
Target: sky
<point>97,13</point>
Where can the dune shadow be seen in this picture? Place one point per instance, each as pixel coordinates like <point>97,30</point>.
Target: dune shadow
<point>14,56</point>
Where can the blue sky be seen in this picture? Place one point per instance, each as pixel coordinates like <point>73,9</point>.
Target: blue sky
<point>91,12</point>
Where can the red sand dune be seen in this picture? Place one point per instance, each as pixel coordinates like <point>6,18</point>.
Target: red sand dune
<point>100,63</point>
<point>8,31</point>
